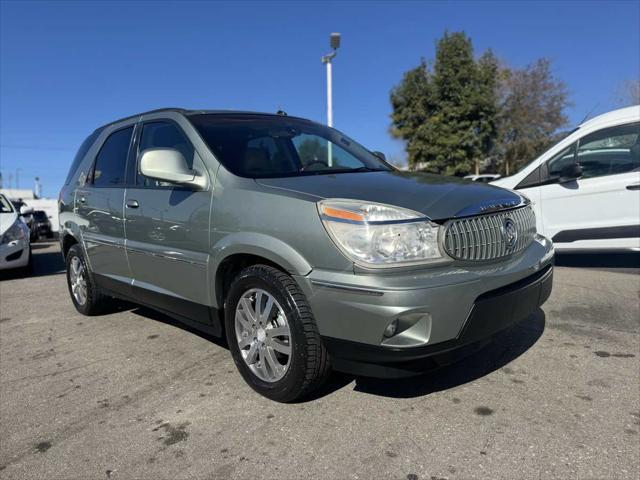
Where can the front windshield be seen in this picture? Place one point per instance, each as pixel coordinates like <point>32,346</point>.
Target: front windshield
<point>5,205</point>
<point>267,146</point>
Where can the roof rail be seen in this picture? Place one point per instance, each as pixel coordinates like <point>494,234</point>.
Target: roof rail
<point>157,110</point>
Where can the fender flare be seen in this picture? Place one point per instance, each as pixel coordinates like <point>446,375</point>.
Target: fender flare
<point>261,245</point>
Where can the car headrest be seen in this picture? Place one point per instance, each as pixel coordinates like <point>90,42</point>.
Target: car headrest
<point>256,160</point>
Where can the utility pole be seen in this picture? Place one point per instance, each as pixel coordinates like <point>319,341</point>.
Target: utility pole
<point>326,59</point>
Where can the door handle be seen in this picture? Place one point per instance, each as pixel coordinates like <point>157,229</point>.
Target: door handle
<point>634,187</point>
<point>132,204</point>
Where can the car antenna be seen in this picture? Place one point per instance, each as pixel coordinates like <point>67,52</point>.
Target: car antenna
<point>281,112</point>
<point>589,113</point>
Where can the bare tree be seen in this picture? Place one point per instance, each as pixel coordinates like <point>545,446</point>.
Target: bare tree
<point>531,113</point>
<point>628,93</point>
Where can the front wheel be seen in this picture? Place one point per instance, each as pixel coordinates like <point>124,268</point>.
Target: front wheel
<point>272,335</point>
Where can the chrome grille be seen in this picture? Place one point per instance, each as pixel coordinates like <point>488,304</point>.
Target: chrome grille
<point>483,237</point>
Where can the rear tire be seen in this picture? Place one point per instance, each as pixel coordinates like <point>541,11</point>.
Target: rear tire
<point>307,365</point>
<point>92,301</point>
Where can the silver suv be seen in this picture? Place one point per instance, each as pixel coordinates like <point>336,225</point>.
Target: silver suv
<point>308,251</point>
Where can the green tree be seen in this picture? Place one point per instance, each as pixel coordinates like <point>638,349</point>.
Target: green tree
<point>461,112</point>
<point>446,115</point>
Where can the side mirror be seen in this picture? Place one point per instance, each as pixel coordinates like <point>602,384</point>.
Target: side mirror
<point>25,210</point>
<point>570,172</point>
<point>169,165</point>
<point>380,155</point>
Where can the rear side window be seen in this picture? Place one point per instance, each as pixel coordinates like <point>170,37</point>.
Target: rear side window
<point>163,135</point>
<point>82,151</point>
<point>111,162</point>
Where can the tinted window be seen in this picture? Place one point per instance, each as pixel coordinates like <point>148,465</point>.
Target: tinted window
<point>260,146</point>
<point>610,151</point>
<point>163,135</point>
<point>561,160</point>
<point>5,205</point>
<point>111,162</point>
<point>82,151</point>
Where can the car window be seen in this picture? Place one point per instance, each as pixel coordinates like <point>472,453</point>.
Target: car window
<point>82,151</point>
<point>163,135</point>
<point>610,151</point>
<point>559,161</point>
<point>5,205</point>
<point>313,152</point>
<point>109,170</point>
<point>267,146</point>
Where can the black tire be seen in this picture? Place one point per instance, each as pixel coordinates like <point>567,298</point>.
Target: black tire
<point>310,365</point>
<point>96,302</point>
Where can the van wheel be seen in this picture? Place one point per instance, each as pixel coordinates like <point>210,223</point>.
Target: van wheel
<point>86,297</point>
<point>272,335</point>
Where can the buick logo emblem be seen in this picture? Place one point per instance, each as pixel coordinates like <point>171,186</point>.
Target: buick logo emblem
<point>509,233</point>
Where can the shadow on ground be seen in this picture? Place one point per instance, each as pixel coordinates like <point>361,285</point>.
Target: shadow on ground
<point>623,260</point>
<point>503,349</point>
<point>43,263</point>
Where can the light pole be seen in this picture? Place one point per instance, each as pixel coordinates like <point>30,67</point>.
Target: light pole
<point>326,59</point>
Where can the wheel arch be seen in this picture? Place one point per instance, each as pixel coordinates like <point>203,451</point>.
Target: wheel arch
<point>238,251</point>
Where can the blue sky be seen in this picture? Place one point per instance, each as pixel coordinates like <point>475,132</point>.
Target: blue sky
<point>68,67</point>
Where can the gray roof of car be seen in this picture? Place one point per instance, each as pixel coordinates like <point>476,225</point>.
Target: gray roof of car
<point>187,112</point>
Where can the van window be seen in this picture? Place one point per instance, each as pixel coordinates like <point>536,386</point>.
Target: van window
<point>559,161</point>
<point>163,135</point>
<point>111,162</point>
<point>610,151</point>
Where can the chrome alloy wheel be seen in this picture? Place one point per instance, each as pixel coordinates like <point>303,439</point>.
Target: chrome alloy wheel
<point>263,335</point>
<point>78,281</point>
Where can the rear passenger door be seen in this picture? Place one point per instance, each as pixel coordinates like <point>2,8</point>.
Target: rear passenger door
<point>167,230</point>
<point>99,206</point>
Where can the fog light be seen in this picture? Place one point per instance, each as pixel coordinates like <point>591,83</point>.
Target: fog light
<point>391,329</point>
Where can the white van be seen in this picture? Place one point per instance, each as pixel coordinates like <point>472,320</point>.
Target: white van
<point>586,188</point>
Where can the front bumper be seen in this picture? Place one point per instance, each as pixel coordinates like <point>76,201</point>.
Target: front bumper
<point>491,313</point>
<point>452,309</point>
<point>14,254</point>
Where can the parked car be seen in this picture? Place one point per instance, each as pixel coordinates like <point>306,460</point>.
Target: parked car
<point>484,178</point>
<point>585,190</point>
<point>41,225</point>
<point>305,249</point>
<point>15,250</point>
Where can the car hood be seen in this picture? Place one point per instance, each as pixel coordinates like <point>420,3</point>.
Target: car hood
<point>435,196</point>
<point>6,220</point>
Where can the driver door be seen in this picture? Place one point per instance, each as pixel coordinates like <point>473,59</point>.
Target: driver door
<point>604,203</point>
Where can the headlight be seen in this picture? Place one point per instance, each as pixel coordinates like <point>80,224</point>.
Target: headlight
<point>15,232</point>
<point>377,235</point>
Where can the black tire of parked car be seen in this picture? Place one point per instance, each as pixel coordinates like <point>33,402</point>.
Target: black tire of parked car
<point>310,365</point>
<point>96,302</point>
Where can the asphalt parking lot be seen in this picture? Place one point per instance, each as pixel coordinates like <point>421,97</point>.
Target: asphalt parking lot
<point>134,395</point>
